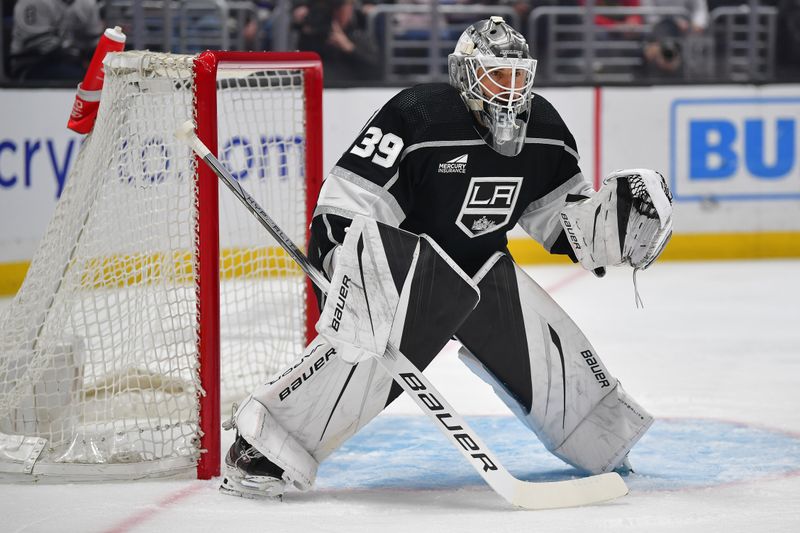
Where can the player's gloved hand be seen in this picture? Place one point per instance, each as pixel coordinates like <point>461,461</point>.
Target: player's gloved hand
<point>628,221</point>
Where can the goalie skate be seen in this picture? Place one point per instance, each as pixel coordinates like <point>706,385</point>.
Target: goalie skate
<point>248,474</point>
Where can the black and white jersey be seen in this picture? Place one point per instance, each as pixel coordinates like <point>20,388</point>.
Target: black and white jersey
<point>421,165</point>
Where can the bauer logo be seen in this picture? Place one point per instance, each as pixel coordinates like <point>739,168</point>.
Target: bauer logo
<point>488,205</point>
<point>341,299</point>
<point>735,149</point>
<point>298,378</point>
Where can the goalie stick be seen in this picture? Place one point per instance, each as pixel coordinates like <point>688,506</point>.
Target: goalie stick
<point>525,494</point>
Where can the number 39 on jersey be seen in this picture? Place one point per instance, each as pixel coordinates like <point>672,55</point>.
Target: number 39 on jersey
<point>388,147</point>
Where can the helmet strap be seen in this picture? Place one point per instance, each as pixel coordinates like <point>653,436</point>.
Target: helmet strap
<point>474,104</point>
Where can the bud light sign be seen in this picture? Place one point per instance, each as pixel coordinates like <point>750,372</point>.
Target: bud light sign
<point>735,149</point>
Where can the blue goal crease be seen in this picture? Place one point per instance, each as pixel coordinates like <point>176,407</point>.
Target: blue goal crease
<point>409,452</point>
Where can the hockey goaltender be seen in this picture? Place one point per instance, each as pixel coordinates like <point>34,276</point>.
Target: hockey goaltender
<point>410,227</point>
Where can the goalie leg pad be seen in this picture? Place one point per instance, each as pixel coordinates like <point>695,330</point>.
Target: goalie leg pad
<point>371,268</point>
<point>545,370</point>
<point>304,413</point>
<point>604,437</point>
<point>301,415</point>
<point>258,427</point>
<point>382,273</point>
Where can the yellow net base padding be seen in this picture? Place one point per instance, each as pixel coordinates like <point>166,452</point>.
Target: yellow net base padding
<point>688,247</point>
<point>11,276</point>
<point>271,262</point>
<point>116,271</point>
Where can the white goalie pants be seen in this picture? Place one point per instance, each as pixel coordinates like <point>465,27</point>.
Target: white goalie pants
<point>517,339</point>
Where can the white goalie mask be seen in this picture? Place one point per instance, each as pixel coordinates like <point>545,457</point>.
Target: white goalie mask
<point>493,71</point>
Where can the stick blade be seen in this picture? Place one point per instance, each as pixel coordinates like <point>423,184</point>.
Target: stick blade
<point>570,493</point>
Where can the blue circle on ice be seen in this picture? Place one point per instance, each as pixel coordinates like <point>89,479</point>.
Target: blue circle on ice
<point>409,452</point>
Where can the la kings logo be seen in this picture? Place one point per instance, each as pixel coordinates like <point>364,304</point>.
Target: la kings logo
<point>454,166</point>
<point>488,205</point>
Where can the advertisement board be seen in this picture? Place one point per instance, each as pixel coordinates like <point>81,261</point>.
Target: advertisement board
<point>731,154</point>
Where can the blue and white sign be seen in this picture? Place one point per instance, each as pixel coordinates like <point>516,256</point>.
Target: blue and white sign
<point>735,149</point>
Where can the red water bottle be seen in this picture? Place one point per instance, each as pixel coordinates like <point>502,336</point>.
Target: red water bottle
<point>84,110</point>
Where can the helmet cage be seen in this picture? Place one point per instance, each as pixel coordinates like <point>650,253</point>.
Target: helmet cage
<point>492,69</point>
<point>501,106</point>
<point>483,82</point>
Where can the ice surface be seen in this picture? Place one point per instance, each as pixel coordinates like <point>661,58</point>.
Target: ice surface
<point>715,355</point>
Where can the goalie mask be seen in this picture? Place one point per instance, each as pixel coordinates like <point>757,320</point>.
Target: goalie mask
<point>493,71</point>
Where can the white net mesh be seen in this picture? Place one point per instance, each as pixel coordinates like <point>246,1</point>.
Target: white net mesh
<point>263,304</point>
<point>98,351</point>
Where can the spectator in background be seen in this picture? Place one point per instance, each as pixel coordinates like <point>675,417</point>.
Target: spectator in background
<point>788,39</point>
<point>611,28</point>
<point>257,30</point>
<point>695,20</point>
<point>328,28</point>
<point>54,39</point>
<point>612,22</point>
<point>522,8</point>
<point>7,10</point>
<point>665,47</point>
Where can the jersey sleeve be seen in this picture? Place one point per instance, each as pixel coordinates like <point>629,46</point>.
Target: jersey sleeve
<point>367,180</point>
<point>541,219</point>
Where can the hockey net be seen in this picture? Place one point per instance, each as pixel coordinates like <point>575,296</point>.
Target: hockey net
<point>153,295</point>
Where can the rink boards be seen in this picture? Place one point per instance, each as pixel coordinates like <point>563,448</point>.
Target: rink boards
<point>731,153</point>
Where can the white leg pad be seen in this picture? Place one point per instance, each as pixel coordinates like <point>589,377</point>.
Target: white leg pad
<point>259,428</point>
<point>601,440</point>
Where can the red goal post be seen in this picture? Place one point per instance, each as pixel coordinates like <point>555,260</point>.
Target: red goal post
<point>206,69</point>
